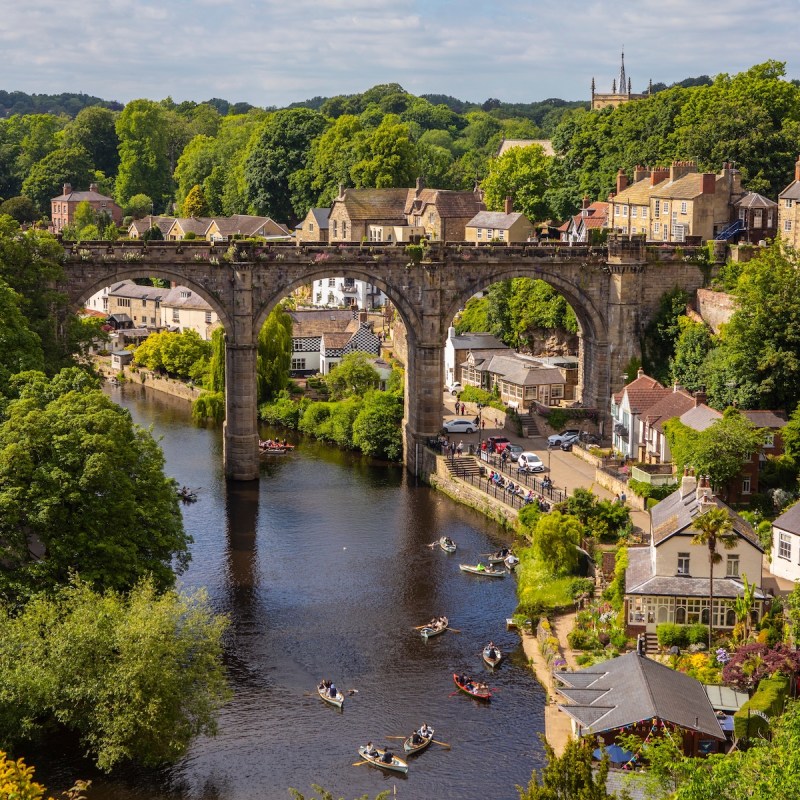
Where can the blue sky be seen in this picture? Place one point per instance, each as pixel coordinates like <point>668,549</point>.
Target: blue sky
<point>267,52</point>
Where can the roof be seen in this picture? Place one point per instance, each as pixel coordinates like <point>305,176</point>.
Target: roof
<point>508,144</point>
<point>248,225</point>
<point>789,521</point>
<point>374,204</point>
<point>477,341</point>
<point>676,514</point>
<point>196,225</point>
<point>448,203</point>
<point>642,392</point>
<point>723,698</point>
<point>498,220</point>
<point>315,323</point>
<point>638,194</point>
<point>791,192</point>
<point>700,417</point>
<point>766,419</point>
<point>630,689</point>
<point>668,407</point>
<point>687,187</point>
<point>524,371</point>
<point>335,340</point>
<point>79,197</point>
<point>755,200</point>
<point>145,223</point>
<point>181,297</point>
<point>321,217</point>
<point>130,289</point>
<point>119,317</point>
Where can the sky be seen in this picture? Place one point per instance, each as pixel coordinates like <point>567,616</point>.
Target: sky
<point>272,53</point>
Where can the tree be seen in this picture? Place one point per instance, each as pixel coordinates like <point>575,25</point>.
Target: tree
<point>752,662</point>
<point>274,354</point>
<point>389,159</point>
<point>76,476</point>
<point>84,215</point>
<point>139,206</point>
<point>571,776</point>
<point>555,541</point>
<point>46,178</point>
<point>135,676</point>
<point>172,352</point>
<point>280,149</point>
<point>712,529</point>
<point>20,208</point>
<point>376,429</point>
<point>324,794</point>
<point>144,165</point>
<point>215,381</point>
<point>16,782</point>
<point>522,173</point>
<point>692,346</point>
<point>94,130</point>
<point>353,375</point>
<point>20,347</point>
<point>661,334</point>
<point>195,204</point>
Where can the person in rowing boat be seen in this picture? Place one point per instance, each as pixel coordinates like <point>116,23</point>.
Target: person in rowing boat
<point>370,750</point>
<point>416,738</point>
<point>492,651</point>
<point>332,690</point>
<point>387,756</point>
<point>424,731</point>
<point>480,567</point>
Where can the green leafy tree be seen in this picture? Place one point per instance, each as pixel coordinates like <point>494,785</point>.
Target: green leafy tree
<point>376,429</point>
<point>661,334</point>
<point>139,206</point>
<point>713,529</point>
<point>570,776</point>
<point>94,130</point>
<point>20,208</point>
<point>324,794</point>
<point>215,381</point>
<point>195,204</point>
<point>144,140</point>
<point>389,159</point>
<point>20,347</point>
<point>353,375</point>
<point>75,474</point>
<point>84,215</point>
<point>522,173</point>
<point>171,352</point>
<point>692,346</point>
<point>46,178</point>
<point>274,354</point>
<point>474,317</point>
<point>555,541</point>
<point>136,677</point>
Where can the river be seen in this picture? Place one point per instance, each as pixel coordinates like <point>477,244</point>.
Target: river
<point>324,570</point>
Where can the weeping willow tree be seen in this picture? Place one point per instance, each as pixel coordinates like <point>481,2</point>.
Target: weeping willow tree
<point>274,354</point>
<point>210,405</point>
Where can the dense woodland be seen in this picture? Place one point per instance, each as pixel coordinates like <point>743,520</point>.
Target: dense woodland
<point>283,162</point>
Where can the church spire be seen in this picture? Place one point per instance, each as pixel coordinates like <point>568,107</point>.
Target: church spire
<point>622,79</point>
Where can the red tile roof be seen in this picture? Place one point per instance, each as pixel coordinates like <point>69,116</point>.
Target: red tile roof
<point>642,393</point>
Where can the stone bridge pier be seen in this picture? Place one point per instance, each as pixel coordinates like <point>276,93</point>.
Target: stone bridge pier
<point>613,291</point>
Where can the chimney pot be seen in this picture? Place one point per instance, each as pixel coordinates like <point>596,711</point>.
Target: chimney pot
<point>92,187</point>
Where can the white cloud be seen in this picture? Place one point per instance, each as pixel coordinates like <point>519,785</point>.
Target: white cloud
<point>273,52</point>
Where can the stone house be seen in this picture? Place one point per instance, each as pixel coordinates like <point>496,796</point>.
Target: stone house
<point>668,580</point>
<point>314,228</point>
<point>138,227</point>
<point>502,226</point>
<point>758,218</point>
<point>592,216</point>
<point>789,210</point>
<point>442,214</point>
<point>222,229</point>
<point>183,225</point>
<point>141,303</point>
<point>786,544</point>
<point>355,210</point>
<point>458,347</point>
<point>182,309</point>
<point>62,208</point>
<point>676,204</point>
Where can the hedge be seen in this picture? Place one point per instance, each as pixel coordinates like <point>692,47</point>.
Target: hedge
<point>769,699</point>
<point>672,635</point>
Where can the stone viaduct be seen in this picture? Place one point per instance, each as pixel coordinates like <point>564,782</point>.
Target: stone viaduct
<point>613,290</point>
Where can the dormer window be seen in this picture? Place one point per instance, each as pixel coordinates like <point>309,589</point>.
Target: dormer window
<point>185,295</point>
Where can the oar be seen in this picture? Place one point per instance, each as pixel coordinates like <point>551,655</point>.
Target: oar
<point>359,763</point>
<point>455,630</point>
<point>396,737</point>
<point>443,744</point>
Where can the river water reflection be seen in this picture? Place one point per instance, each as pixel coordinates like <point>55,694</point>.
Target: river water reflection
<point>324,571</point>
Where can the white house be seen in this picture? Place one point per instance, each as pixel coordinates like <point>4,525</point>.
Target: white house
<point>628,411</point>
<point>786,544</point>
<point>183,309</point>
<point>346,292</point>
<point>457,347</point>
<point>668,580</point>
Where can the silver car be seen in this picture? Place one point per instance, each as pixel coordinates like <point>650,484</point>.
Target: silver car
<point>460,426</point>
<point>529,462</point>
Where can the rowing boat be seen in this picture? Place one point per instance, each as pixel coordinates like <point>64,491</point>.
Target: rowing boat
<point>487,656</point>
<point>480,691</point>
<point>447,544</point>
<point>499,557</point>
<point>335,700</point>
<point>434,630</point>
<point>411,748</point>
<point>511,561</point>
<point>396,764</point>
<point>479,569</point>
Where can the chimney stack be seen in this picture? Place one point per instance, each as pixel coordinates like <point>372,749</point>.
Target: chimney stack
<point>709,183</point>
<point>640,173</point>
<point>68,188</point>
<point>509,207</point>
<point>420,185</point>
<point>797,169</point>
<point>680,168</point>
<point>585,203</point>
<point>640,372</point>
<point>658,175</point>
<point>703,492</point>
<point>699,398</point>
<point>688,483</point>
<point>622,180</point>
<point>92,187</point>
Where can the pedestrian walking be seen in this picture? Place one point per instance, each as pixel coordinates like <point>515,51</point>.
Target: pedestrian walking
<point>460,449</point>
<point>622,498</point>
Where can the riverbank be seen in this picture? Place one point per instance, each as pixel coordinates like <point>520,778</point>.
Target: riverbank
<point>148,379</point>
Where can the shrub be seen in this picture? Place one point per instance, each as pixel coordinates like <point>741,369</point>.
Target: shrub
<point>672,635</point>
<point>581,586</point>
<point>580,639</point>
<point>769,699</point>
<point>472,394</point>
<point>209,407</point>
<point>697,633</point>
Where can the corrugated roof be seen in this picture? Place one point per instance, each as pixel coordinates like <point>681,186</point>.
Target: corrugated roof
<point>638,689</point>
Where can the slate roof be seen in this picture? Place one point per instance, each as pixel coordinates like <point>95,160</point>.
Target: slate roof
<point>374,204</point>
<point>79,197</point>
<point>676,513</point>
<point>524,372</point>
<point>448,203</point>
<point>668,407</point>
<point>789,521</point>
<point>144,224</point>
<point>687,187</point>
<point>477,341</point>
<point>508,144</point>
<point>248,225</point>
<point>498,220</point>
<point>175,299</point>
<point>700,417</point>
<point>791,192</point>
<point>643,392</point>
<point>633,688</point>
<point>134,290</point>
<point>315,323</point>
<point>321,217</point>
<point>766,419</point>
<point>755,200</point>
<point>196,225</point>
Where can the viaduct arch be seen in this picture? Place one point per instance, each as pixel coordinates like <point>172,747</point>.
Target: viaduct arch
<point>613,291</point>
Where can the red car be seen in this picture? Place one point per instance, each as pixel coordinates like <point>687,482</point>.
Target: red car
<point>500,443</point>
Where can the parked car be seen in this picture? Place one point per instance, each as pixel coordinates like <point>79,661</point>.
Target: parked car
<point>500,443</point>
<point>514,451</point>
<point>557,439</point>
<point>454,388</point>
<point>529,462</point>
<point>460,426</point>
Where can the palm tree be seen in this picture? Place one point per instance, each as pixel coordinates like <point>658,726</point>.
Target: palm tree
<point>713,528</point>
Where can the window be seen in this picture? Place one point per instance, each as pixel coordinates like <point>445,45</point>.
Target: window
<point>310,227</point>
<point>418,220</point>
<point>732,566</point>
<point>617,212</point>
<point>634,211</point>
<point>665,208</point>
<point>489,234</point>
<point>430,218</point>
<point>331,281</point>
<point>683,563</point>
<point>784,546</point>
<point>344,229</point>
<point>770,219</point>
<point>335,228</point>
<point>298,363</point>
<point>208,317</point>
<point>644,212</point>
<point>769,440</point>
<point>124,302</point>
<point>500,235</point>
<point>480,233</point>
<point>624,211</point>
<point>743,214</point>
<point>787,203</point>
<point>683,206</point>
<point>556,391</point>
<point>144,303</point>
<point>757,217</point>
<point>787,224</point>
<point>176,315</point>
<point>746,484</point>
<point>152,320</point>
<point>657,209</point>
<point>674,216</point>
<point>656,227</point>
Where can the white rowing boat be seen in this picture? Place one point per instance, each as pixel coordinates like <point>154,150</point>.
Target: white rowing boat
<point>377,756</point>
